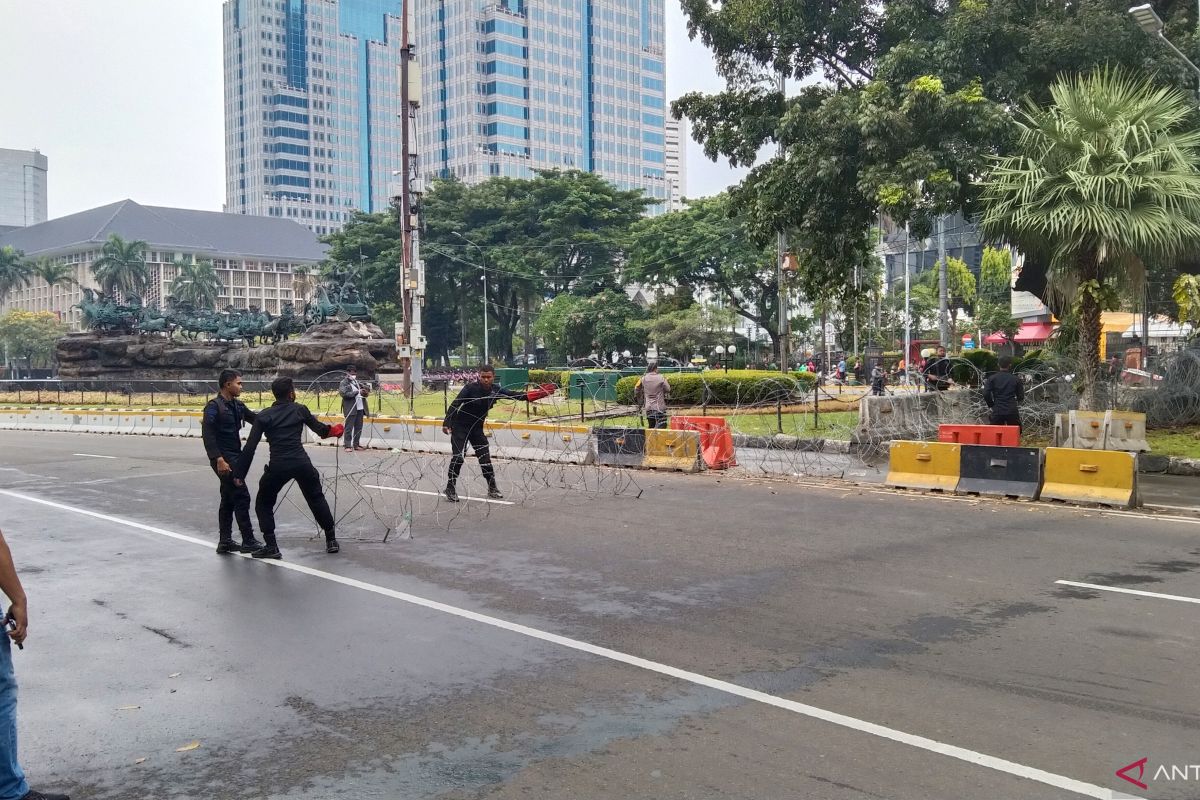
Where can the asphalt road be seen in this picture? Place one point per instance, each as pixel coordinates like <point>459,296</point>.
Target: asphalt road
<point>607,635</point>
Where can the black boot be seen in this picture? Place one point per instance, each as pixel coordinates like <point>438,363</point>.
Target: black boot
<point>228,546</point>
<point>331,545</point>
<point>494,492</point>
<point>251,544</point>
<point>451,494</point>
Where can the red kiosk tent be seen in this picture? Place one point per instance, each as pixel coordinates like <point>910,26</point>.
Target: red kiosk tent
<point>1029,333</point>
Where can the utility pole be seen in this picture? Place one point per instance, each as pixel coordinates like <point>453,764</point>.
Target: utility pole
<point>907,310</point>
<point>945,333</point>
<point>412,272</point>
<point>782,243</point>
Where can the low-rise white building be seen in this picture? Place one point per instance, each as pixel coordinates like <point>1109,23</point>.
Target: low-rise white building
<point>254,257</point>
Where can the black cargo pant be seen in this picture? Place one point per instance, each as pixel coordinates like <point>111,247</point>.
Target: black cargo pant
<point>1006,419</point>
<point>235,502</point>
<point>274,478</point>
<point>459,439</point>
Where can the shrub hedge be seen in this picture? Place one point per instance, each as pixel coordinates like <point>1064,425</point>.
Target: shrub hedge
<point>980,363</point>
<point>558,377</point>
<point>736,387</point>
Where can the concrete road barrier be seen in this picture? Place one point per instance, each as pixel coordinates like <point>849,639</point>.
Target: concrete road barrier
<point>924,465</point>
<point>1104,477</point>
<point>1000,471</point>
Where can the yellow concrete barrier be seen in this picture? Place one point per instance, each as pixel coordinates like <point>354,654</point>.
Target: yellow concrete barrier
<point>924,465</point>
<point>668,449</point>
<point>1106,477</point>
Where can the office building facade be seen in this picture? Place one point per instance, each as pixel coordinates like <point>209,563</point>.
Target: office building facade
<point>676,153</point>
<point>23,198</point>
<point>514,86</point>
<point>311,102</point>
<point>254,257</point>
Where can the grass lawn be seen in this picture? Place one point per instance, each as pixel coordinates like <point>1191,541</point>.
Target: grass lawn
<point>1181,442</point>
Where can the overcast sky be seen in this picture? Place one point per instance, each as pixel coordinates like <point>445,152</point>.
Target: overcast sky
<point>124,97</point>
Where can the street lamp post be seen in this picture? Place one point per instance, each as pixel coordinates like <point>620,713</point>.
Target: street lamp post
<point>483,258</point>
<point>1150,22</point>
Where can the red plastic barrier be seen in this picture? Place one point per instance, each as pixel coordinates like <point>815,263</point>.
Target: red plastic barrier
<point>716,440</point>
<point>996,435</point>
<point>544,390</point>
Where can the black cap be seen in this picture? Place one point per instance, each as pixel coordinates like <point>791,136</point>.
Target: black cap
<point>351,368</point>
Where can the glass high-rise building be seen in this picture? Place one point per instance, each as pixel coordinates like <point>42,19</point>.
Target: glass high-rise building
<point>312,96</point>
<point>511,86</point>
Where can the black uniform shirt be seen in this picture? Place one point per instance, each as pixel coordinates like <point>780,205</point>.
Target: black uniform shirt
<point>221,428</point>
<point>1002,391</point>
<point>283,423</point>
<point>473,403</point>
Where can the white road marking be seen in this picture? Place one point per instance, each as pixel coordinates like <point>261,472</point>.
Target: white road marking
<point>137,475</point>
<point>1171,508</point>
<point>439,494</point>
<point>1138,592</point>
<point>852,723</point>
<point>91,455</point>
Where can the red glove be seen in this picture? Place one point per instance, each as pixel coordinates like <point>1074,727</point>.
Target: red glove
<point>336,430</point>
<point>545,390</point>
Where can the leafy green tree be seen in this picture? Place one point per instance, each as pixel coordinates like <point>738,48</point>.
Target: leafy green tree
<point>707,245</point>
<point>1105,178</point>
<point>604,322</point>
<point>551,325</point>
<point>14,271</point>
<point>53,274</point>
<point>121,266</point>
<point>31,335</point>
<point>196,282</point>
<point>1186,292</point>
<point>995,275</point>
<point>694,329</point>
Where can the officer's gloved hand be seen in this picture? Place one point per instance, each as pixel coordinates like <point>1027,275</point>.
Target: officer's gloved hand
<point>336,430</point>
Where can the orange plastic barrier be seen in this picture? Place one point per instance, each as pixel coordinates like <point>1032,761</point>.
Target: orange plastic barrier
<point>998,435</point>
<point>716,440</point>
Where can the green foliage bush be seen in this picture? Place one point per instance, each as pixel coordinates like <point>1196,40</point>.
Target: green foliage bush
<point>736,387</point>
<point>557,377</point>
<point>979,364</point>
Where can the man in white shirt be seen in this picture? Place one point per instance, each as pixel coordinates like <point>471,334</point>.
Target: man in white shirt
<point>354,408</point>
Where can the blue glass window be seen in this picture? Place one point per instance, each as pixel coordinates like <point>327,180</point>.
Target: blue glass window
<point>291,133</point>
<point>506,89</point>
<point>650,65</point>
<point>504,26</point>
<point>652,138</point>
<point>505,68</point>
<point>505,129</point>
<point>505,110</point>
<point>505,48</point>
<point>653,83</point>
<point>288,100</point>
<point>653,120</point>
<point>287,163</point>
<point>289,116</point>
<point>284,147</point>
<point>655,156</point>
<point>287,180</point>
<point>652,101</point>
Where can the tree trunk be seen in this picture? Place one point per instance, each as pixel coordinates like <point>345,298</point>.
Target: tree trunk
<point>1089,340</point>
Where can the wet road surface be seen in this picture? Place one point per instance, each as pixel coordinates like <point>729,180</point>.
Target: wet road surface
<point>608,635</point>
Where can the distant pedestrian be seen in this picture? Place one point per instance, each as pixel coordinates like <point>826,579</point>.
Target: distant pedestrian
<point>1004,392</point>
<point>841,370</point>
<point>283,424</point>
<point>652,392</point>
<point>220,426</point>
<point>878,380</point>
<point>354,408</point>
<point>12,777</point>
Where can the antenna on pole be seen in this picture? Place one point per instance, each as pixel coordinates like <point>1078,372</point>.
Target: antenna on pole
<point>410,343</point>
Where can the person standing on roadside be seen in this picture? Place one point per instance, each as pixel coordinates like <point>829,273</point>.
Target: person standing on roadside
<point>652,392</point>
<point>354,408</point>
<point>220,427</point>
<point>13,785</point>
<point>1004,393</point>
<point>283,424</point>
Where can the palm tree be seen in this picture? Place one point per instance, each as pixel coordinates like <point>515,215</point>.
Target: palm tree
<point>196,283</point>
<point>14,270</point>
<point>122,265</point>
<point>1104,179</point>
<point>52,273</point>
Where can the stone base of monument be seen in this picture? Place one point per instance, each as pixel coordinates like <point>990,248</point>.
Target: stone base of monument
<point>322,349</point>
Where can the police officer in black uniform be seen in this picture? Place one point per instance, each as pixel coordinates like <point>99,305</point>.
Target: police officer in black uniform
<point>464,424</point>
<point>1004,393</point>
<point>283,424</point>
<point>221,428</point>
